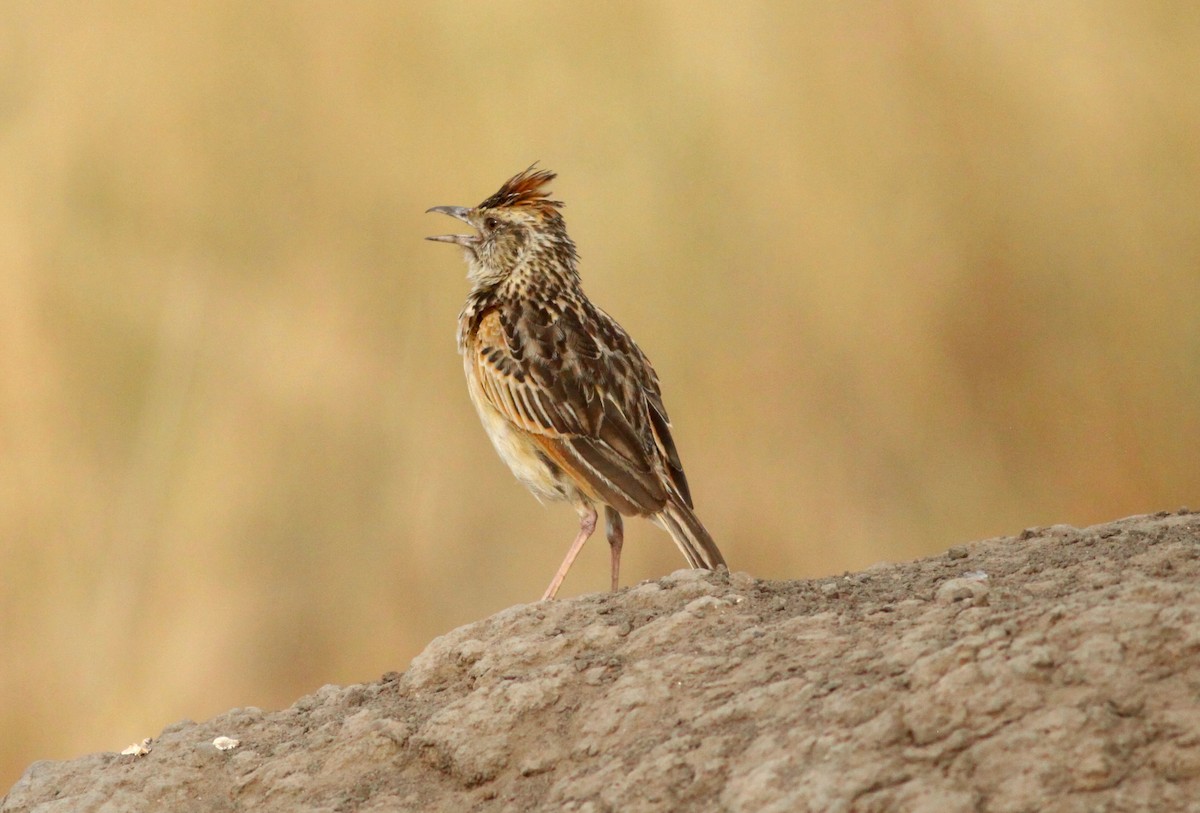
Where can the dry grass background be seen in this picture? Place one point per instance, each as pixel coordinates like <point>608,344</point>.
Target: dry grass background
<point>913,273</point>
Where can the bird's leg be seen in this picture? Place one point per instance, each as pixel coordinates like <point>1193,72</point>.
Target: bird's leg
<point>615,529</point>
<point>587,524</point>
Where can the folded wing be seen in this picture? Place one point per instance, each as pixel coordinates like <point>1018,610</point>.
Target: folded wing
<point>579,395</point>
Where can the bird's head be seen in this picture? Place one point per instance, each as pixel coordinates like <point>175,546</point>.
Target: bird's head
<point>517,230</point>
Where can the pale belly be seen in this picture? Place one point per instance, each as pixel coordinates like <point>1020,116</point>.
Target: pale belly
<point>517,452</point>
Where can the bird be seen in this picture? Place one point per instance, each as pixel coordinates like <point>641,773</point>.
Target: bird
<point>568,399</point>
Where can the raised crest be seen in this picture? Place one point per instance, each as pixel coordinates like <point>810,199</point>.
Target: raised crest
<point>525,189</point>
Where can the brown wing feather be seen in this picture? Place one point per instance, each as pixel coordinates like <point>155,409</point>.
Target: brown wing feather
<point>666,444</point>
<point>577,399</point>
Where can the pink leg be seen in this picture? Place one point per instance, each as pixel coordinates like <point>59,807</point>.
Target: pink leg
<point>616,538</point>
<point>587,524</point>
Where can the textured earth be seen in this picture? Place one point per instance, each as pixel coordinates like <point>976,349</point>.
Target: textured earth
<point>1058,670</point>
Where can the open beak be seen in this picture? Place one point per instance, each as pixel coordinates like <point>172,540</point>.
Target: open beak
<point>465,240</point>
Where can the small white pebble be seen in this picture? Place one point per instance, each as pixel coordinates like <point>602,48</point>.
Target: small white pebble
<point>701,606</point>
<point>976,575</point>
<point>968,592</point>
<point>138,749</point>
<point>226,743</point>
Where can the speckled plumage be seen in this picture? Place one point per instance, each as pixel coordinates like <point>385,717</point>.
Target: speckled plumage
<point>569,400</point>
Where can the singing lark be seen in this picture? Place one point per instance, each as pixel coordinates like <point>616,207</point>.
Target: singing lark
<point>570,402</point>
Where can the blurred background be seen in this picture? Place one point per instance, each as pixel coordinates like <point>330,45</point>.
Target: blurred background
<point>913,274</point>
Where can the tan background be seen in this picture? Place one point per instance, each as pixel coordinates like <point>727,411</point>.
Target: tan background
<point>912,273</point>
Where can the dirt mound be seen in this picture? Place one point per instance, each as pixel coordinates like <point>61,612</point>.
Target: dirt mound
<point>1052,671</point>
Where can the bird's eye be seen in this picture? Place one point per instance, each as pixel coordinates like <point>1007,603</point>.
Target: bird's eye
<point>491,223</point>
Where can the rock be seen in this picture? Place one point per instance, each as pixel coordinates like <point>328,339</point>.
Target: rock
<point>1053,670</point>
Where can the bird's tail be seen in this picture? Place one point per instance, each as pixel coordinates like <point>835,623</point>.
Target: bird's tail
<point>690,535</point>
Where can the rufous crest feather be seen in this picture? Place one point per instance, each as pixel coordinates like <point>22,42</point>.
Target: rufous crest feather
<point>525,189</point>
